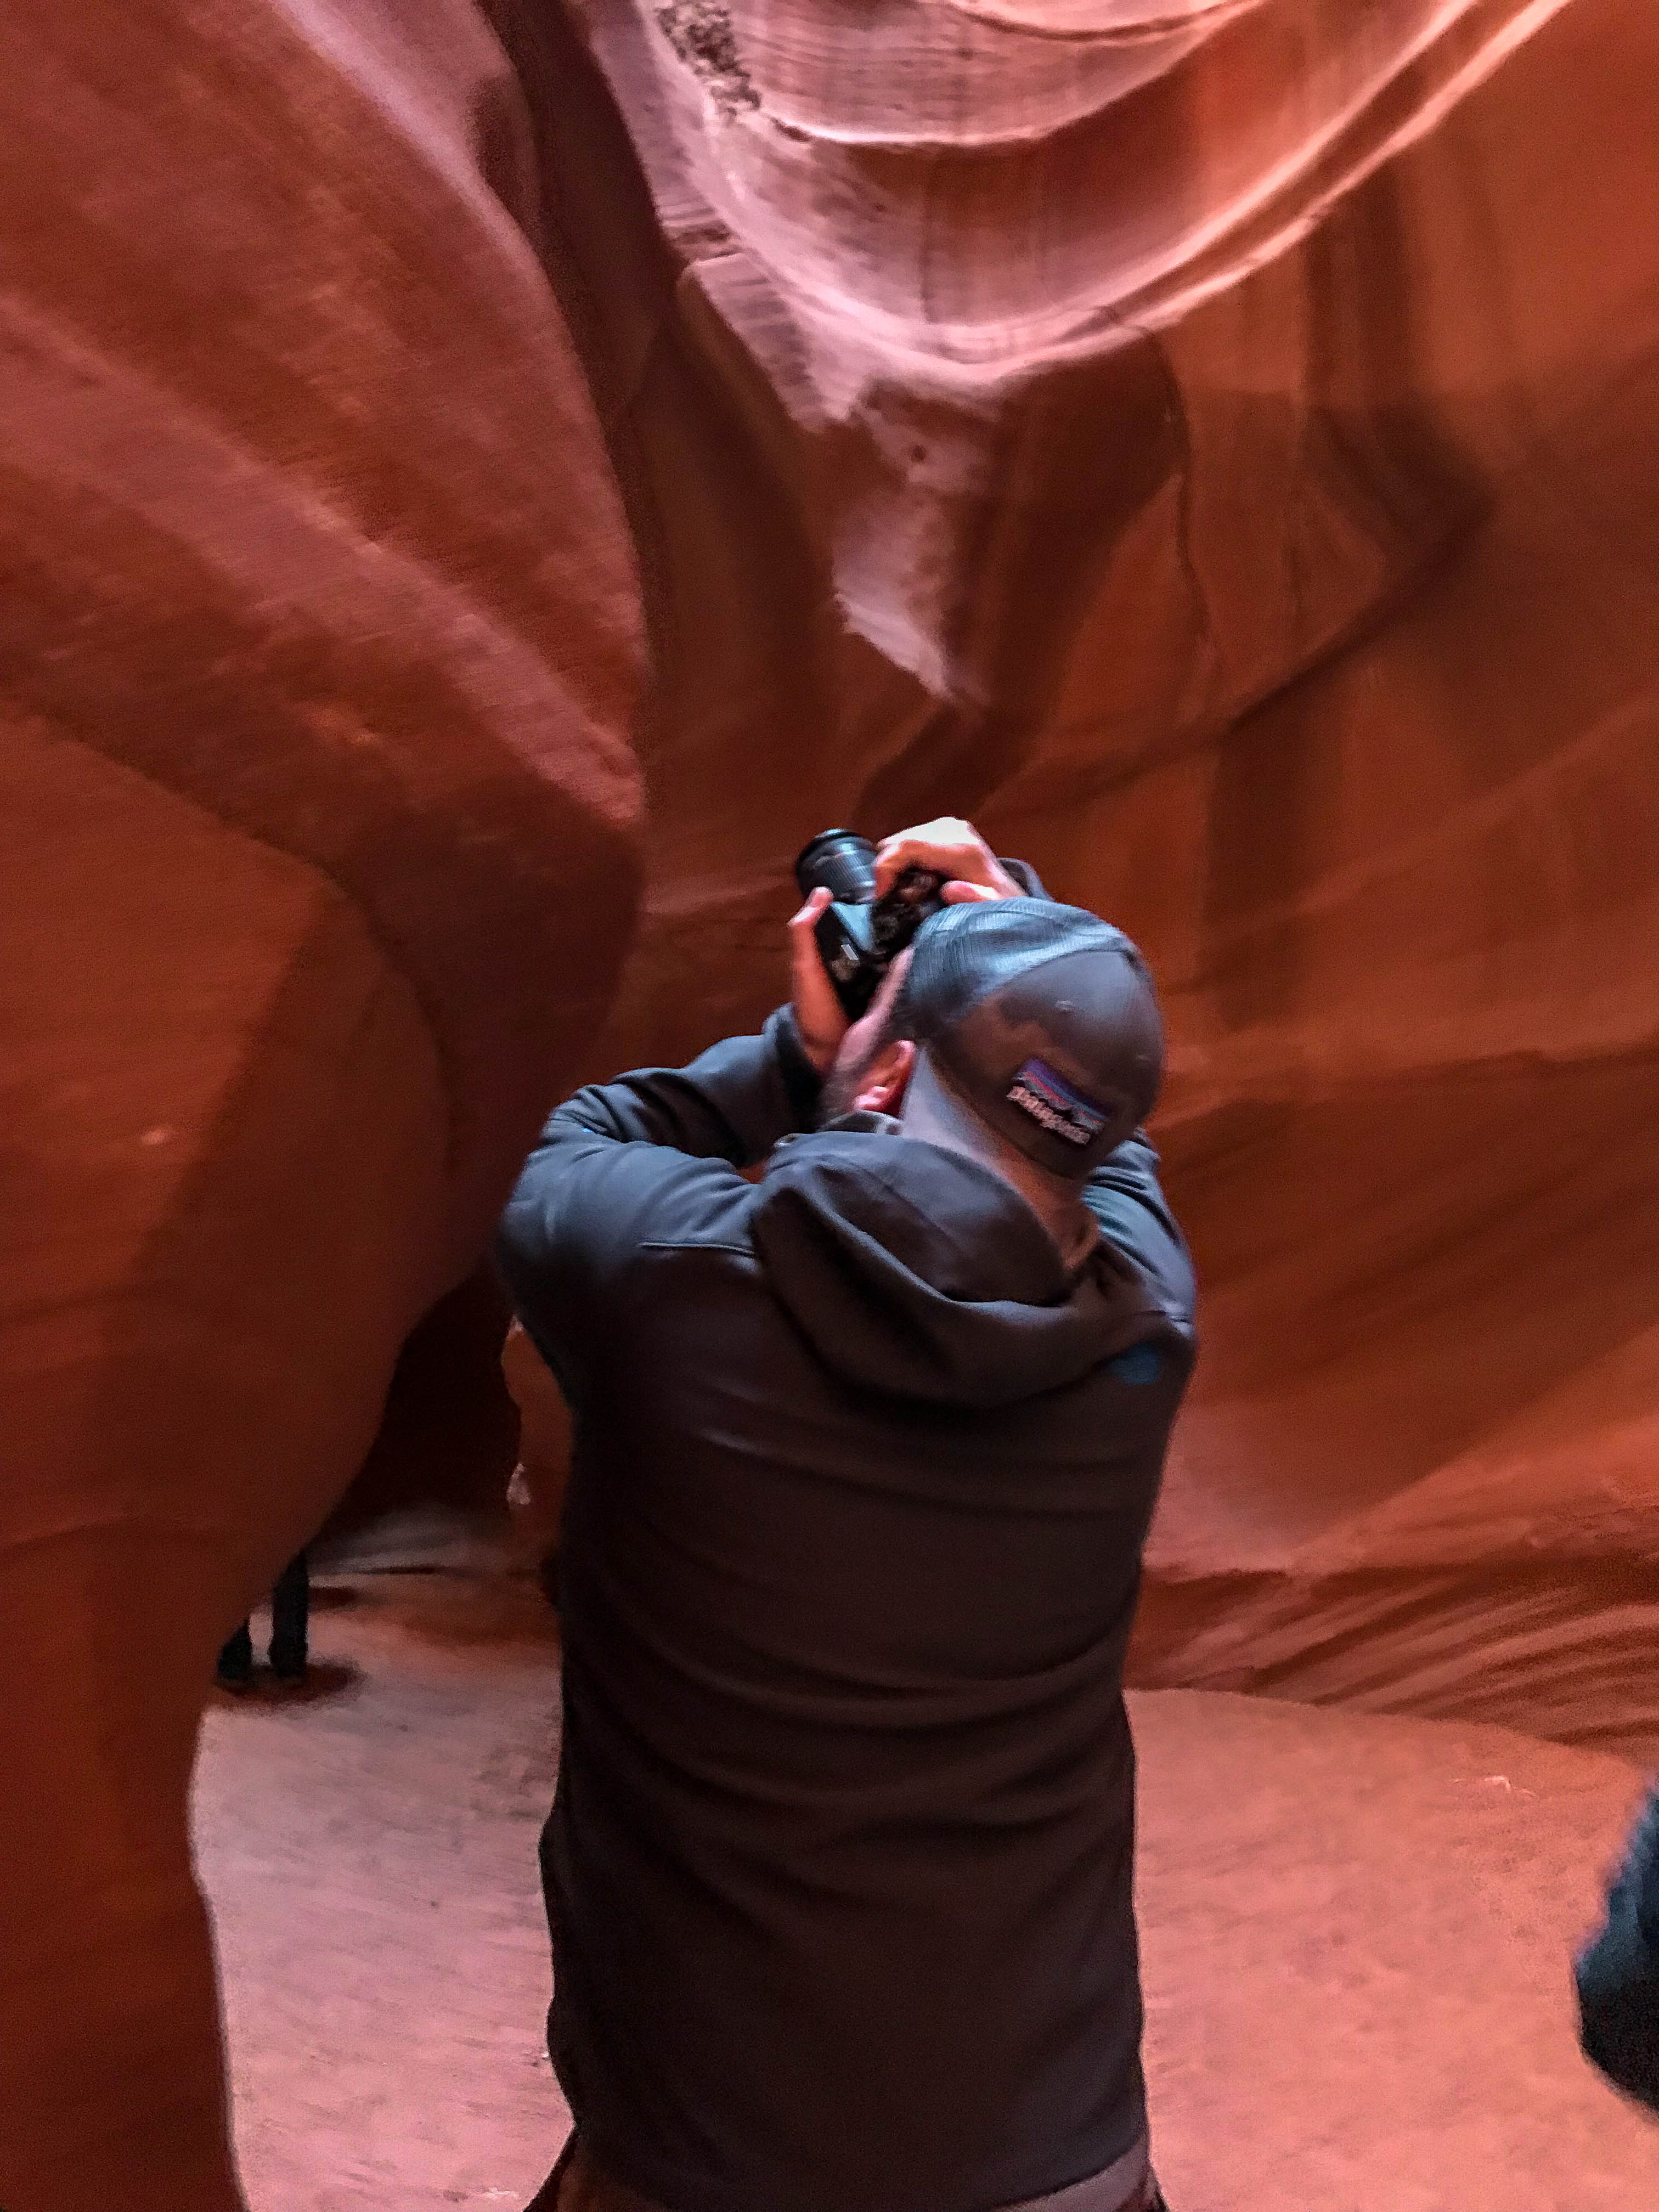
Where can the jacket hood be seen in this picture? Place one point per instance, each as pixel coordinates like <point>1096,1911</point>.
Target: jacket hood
<point>914,1271</point>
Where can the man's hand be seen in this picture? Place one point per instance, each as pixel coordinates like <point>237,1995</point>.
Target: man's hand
<point>820,1021</point>
<point>954,849</point>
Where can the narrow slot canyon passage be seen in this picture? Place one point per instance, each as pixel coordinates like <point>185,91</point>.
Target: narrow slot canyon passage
<point>490,483</point>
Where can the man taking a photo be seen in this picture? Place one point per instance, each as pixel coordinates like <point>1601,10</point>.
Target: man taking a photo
<point>839,1869</point>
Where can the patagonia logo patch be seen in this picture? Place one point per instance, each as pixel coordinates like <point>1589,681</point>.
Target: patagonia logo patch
<point>1051,1102</point>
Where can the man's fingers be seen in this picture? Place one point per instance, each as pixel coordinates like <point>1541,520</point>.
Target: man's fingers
<point>819,1017</point>
<point>947,842</point>
<point>957,893</point>
<point>942,830</point>
<point>803,920</point>
<point>958,859</point>
<point>810,980</point>
<point>951,847</point>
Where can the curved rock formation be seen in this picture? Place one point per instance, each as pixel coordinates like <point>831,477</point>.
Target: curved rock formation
<point>1218,446</point>
<point>1213,444</point>
<point>319,644</point>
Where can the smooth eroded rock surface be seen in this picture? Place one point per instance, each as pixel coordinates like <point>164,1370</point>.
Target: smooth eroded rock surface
<point>318,647</point>
<point>1214,445</point>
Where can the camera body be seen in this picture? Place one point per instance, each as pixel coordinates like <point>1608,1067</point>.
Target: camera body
<point>859,935</point>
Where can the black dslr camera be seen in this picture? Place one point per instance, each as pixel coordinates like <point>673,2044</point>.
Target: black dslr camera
<point>859,935</point>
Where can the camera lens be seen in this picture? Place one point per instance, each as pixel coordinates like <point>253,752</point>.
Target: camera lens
<point>843,863</point>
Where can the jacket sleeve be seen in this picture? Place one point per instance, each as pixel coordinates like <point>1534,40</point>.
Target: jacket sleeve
<point>1126,1198</point>
<point>1617,1973</point>
<point>654,1157</point>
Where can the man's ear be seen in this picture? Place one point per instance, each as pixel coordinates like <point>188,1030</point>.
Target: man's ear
<point>887,1078</point>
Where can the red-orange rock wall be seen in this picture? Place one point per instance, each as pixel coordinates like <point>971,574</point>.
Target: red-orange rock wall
<point>319,650</point>
<point>1218,448</point>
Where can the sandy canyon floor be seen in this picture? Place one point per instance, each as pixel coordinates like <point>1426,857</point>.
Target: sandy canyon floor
<point>1356,1933</point>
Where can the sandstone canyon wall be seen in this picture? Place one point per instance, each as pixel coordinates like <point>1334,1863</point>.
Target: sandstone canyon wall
<point>1217,446</point>
<point>318,646</point>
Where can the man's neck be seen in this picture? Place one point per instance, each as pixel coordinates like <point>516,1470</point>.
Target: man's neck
<point>936,1115</point>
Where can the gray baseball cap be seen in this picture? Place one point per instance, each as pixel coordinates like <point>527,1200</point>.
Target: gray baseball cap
<point>1043,1018</point>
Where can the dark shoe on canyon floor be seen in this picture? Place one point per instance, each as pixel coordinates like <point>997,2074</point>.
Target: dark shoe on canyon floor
<point>234,1670</point>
